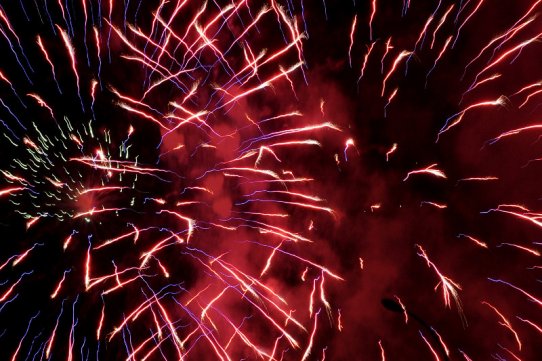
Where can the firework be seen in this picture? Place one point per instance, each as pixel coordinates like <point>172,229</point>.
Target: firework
<point>267,180</point>
<point>156,197</point>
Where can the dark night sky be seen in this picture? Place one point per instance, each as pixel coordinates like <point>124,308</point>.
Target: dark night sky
<point>385,238</point>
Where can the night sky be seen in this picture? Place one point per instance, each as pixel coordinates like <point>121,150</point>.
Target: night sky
<point>274,180</point>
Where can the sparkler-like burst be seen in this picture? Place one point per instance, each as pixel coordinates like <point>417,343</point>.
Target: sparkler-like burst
<point>157,192</point>
<point>254,180</point>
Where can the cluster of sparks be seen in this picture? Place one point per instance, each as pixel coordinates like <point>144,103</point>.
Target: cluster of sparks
<point>174,164</point>
<point>215,183</point>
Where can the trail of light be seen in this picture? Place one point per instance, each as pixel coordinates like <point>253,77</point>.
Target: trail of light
<point>122,166</point>
<point>431,170</point>
<point>396,63</point>
<point>523,248</point>
<point>508,34</point>
<point>308,350</point>
<point>406,6</point>
<point>265,84</point>
<point>304,274</point>
<point>197,116</point>
<point>253,281</point>
<point>311,297</point>
<point>352,31</point>
<point>366,60</point>
<point>228,268</point>
<point>476,241</point>
<point>481,82</point>
<point>303,205</point>
<point>133,316</point>
<point>382,353</point>
<point>441,22</point>
<point>449,287</point>
<point>339,320</point>
<point>71,52</point>
<point>14,357</point>
<point>515,132</point>
<point>147,60</point>
<point>46,55</point>
<point>136,233</point>
<point>59,285</point>
<point>323,296</point>
<point>178,342</point>
<point>162,49</point>
<point>98,50</point>
<point>143,114</point>
<point>324,269</point>
<point>68,240</point>
<point>190,222</point>
<point>510,352</point>
<point>7,261</point>
<point>430,347</point>
<point>120,285</point>
<point>349,143</point>
<point>324,353</point>
<point>94,211</point>
<point>444,346</point>
<point>87,267</point>
<point>100,322</point>
<point>132,100</point>
<point>467,358</point>
<point>244,338</point>
<point>371,18</point>
<point>269,259</point>
<point>501,101</point>
<point>405,313</point>
<point>506,54</point>
<point>269,148</point>
<point>8,191</point>
<point>15,55</point>
<point>527,87</point>
<point>8,23</point>
<point>264,10</point>
<point>32,221</point>
<point>96,280</point>
<point>102,189</point>
<point>53,334</point>
<point>9,291</point>
<point>178,8</point>
<point>267,228</point>
<point>158,333</point>
<point>423,33</point>
<point>71,338</point>
<point>538,328</point>
<point>505,323</point>
<point>528,98</point>
<point>441,53</point>
<point>531,297</point>
<point>391,151</point>
<point>436,205</point>
<point>527,215</point>
<point>12,177</point>
<point>158,247</point>
<point>478,179</point>
<point>42,103</point>
<point>466,20</point>
<point>390,98</point>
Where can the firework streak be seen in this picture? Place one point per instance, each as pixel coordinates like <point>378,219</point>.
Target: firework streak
<point>235,180</point>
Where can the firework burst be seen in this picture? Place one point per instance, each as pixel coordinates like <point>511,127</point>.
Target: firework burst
<point>150,164</point>
<point>266,180</point>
